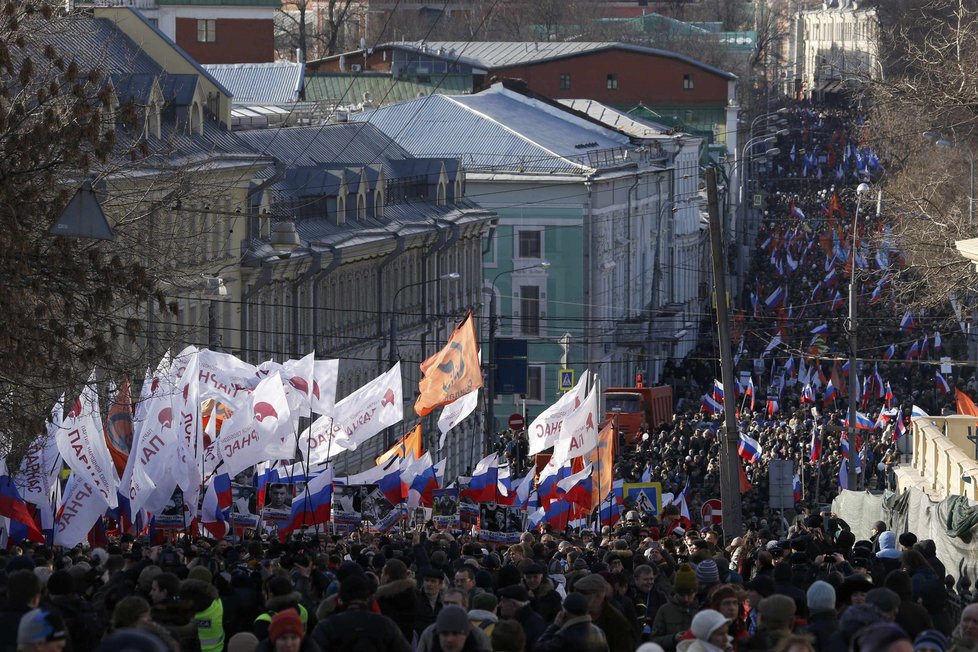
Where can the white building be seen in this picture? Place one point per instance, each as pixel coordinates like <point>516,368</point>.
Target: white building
<point>838,42</point>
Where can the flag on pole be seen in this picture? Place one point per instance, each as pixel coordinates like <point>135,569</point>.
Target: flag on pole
<point>13,506</point>
<point>408,446</point>
<point>452,372</point>
<point>454,413</point>
<point>816,446</point>
<point>964,403</point>
<point>312,506</point>
<point>748,448</point>
<point>118,426</point>
<point>941,384</point>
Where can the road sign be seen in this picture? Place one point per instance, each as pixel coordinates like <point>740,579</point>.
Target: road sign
<point>646,497</point>
<point>565,380</point>
<point>516,421</point>
<point>712,512</point>
<point>781,484</point>
<point>758,200</point>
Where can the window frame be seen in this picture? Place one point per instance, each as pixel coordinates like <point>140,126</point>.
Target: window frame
<point>564,81</point>
<point>611,81</point>
<point>209,31</point>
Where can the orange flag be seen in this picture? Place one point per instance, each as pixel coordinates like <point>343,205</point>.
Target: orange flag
<point>118,427</point>
<point>603,459</point>
<point>964,403</point>
<point>452,372</point>
<point>409,445</point>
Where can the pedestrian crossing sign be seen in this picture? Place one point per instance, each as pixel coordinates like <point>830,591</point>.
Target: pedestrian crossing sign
<point>565,379</point>
<point>758,200</point>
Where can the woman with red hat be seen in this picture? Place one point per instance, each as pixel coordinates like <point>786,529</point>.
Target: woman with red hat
<point>287,634</point>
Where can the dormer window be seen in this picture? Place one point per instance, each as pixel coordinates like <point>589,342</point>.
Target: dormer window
<point>361,206</point>
<point>196,119</point>
<point>378,203</point>
<point>442,192</point>
<point>153,120</point>
<point>341,209</point>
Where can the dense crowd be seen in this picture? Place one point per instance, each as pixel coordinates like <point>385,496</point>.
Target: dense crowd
<point>633,587</point>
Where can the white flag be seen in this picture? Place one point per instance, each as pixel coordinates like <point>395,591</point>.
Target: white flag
<point>773,344</point>
<point>323,397</point>
<point>261,431</point>
<point>579,434</point>
<point>545,429</point>
<point>81,506</point>
<point>190,438</point>
<point>154,441</point>
<point>224,377</point>
<point>356,418</point>
<point>81,442</point>
<point>41,465</point>
<point>453,414</point>
<point>297,381</point>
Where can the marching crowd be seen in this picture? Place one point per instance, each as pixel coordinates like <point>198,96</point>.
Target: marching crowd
<point>646,583</point>
<point>640,586</point>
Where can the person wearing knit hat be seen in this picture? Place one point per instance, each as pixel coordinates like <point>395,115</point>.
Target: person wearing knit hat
<point>823,619</point>
<point>710,627</point>
<point>675,617</point>
<point>707,574</point>
<point>200,573</point>
<point>930,640</point>
<point>243,642</point>
<point>907,539</point>
<point>776,620</point>
<point>287,634</point>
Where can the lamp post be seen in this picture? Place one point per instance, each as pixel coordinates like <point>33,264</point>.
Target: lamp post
<point>491,365</point>
<point>392,350</point>
<point>861,189</point>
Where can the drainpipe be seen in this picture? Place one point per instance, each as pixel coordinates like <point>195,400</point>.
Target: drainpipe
<point>399,248</point>
<point>628,247</point>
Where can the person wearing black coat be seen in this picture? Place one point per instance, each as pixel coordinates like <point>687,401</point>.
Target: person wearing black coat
<point>572,630</point>
<point>23,594</point>
<point>80,618</point>
<point>357,628</point>
<point>514,602</point>
<point>397,598</point>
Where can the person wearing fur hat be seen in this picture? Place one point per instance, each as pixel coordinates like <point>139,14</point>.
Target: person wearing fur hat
<point>573,629</point>
<point>543,594</point>
<point>675,617</point>
<point>286,633</point>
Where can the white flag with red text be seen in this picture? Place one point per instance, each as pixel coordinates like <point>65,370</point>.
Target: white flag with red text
<point>545,429</point>
<point>81,506</point>
<point>81,443</point>
<point>260,432</point>
<point>579,433</point>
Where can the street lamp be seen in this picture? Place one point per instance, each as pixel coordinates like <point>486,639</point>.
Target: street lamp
<point>861,190</point>
<point>936,139</point>
<point>392,351</point>
<point>491,366</point>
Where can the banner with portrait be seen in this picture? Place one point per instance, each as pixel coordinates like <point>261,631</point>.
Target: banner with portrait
<point>278,502</point>
<point>171,516</point>
<point>444,510</point>
<point>500,523</point>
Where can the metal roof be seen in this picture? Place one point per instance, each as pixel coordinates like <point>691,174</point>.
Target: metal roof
<point>349,88</point>
<point>635,127</point>
<point>499,130</point>
<point>494,55</point>
<point>350,144</point>
<point>260,83</point>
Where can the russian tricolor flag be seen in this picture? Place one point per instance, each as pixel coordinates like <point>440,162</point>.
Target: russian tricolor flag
<point>889,353</point>
<point>215,511</point>
<point>888,395</point>
<point>750,390</point>
<point>749,448</point>
<point>547,487</point>
<point>816,447</point>
<point>821,329</point>
<point>13,506</point>
<point>807,395</point>
<point>907,322</point>
<point>941,383</point>
<point>576,488</point>
<point>831,393</point>
<point>776,298</point>
<point>391,484</point>
<point>899,429</point>
<point>482,486</point>
<point>424,483</point>
<point>717,391</point>
<point>797,488</point>
<point>710,406</point>
<point>772,406</point>
<point>837,301</point>
<point>313,505</point>
<point>862,421</point>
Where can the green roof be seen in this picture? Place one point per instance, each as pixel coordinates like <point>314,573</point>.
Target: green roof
<point>344,88</point>
<point>222,3</point>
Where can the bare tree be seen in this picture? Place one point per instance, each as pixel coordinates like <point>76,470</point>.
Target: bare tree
<point>315,28</point>
<point>928,96</point>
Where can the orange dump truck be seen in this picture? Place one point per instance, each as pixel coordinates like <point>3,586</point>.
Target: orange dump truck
<point>633,406</point>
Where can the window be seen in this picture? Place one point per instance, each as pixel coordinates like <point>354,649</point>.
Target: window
<point>530,244</point>
<point>534,383</point>
<point>612,81</point>
<point>529,310</point>
<point>688,82</point>
<point>379,203</point>
<point>564,81</point>
<point>361,207</point>
<point>206,30</point>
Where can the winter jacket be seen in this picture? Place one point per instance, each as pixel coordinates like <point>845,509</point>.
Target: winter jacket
<point>618,631</point>
<point>426,611</point>
<point>274,605</point>
<point>821,625</point>
<point>10,616</point>
<point>357,629</point>
<point>577,634</point>
<point>177,616</point>
<point>398,601</point>
<point>533,625</point>
<point>307,645</point>
<point>545,600</point>
<point>671,619</point>
<point>80,620</point>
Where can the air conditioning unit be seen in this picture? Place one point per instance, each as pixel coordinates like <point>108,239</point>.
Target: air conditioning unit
<point>356,67</point>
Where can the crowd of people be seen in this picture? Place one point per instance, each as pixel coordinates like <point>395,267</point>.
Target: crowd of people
<point>798,580</point>
<point>635,587</point>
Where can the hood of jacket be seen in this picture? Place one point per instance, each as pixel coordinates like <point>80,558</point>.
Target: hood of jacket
<point>481,616</point>
<point>279,603</point>
<point>395,588</point>
<point>888,540</point>
<point>175,612</point>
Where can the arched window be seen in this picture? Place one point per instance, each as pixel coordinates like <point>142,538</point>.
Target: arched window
<point>153,120</point>
<point>361,206</point>
<point>442,190</point>
<point>196,118</point>
<point>341,209</point>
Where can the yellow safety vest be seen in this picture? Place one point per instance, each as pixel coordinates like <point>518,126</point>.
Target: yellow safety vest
<point>303,616</point>
<point>210,627</point>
